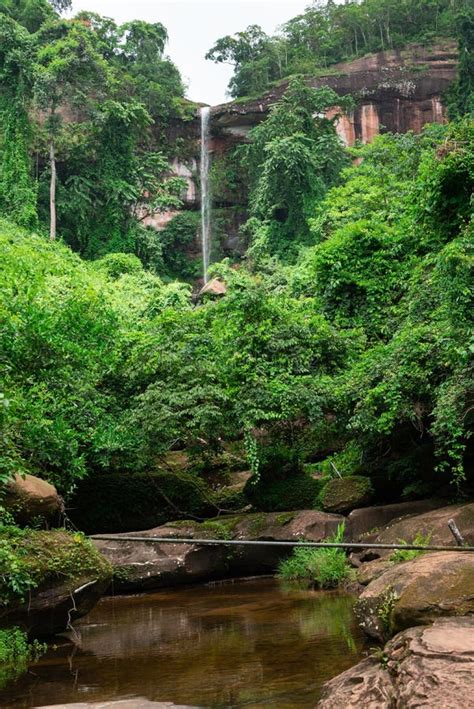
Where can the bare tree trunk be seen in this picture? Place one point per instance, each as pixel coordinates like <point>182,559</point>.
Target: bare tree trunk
<point>52,193</point>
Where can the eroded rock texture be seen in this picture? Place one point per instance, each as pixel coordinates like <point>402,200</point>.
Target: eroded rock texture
<point>420,667</point>
<point>399,90</point>
<point>417,592</point>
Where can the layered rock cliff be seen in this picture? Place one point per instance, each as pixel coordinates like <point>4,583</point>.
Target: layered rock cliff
<point>396,91</point>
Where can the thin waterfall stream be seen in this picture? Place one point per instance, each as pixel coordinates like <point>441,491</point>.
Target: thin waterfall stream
<point>205,193</point>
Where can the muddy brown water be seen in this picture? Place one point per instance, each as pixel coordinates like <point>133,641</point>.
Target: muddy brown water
<point>243,644</point>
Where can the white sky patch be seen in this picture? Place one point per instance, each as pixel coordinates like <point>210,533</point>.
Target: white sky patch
<point>193,27</point>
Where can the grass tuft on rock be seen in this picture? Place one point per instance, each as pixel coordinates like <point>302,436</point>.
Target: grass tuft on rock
<point>325,568</point>
<point>400,555</point>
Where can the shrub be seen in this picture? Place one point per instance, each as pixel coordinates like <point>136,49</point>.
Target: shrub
<point>115,265</point>
<point>408,554</point>
<point>325,568</point>
<point>15,653</point>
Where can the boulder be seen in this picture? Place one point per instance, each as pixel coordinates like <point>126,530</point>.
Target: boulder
<point>142,565</point>
<point>272,493</point>
<point>432,525</point>
<point>62,577</point>
<point>345,494</point>
<point>417,592</point>
<point>230,496</point>
<point>364,685</point>
<point>372,570</point>
<point>367,519</point>
<point>213,288</point>
<point>420,667</point>
<point>32,500</point>
<point>124,502</point>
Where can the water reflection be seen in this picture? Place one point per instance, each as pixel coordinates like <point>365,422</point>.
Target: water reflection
<point>248,644</point>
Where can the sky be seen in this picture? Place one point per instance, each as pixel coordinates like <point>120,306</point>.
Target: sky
<point>193,27</point>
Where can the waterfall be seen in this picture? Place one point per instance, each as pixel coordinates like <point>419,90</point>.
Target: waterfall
<point>205,195</point>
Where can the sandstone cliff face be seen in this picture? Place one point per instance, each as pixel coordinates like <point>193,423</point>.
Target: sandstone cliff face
<point>397,91</point>
<point>394,91</point>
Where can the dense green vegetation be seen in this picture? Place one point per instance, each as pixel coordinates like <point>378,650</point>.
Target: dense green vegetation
<point>323,568</point>
<point>333,369</point>
<point>329,32</point>
<point>85,109</point>
<point>15,654</point>
<point>342,343</point>
<point>360,349</point>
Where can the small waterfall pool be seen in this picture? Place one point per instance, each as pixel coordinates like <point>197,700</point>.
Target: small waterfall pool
<point>243,644</point>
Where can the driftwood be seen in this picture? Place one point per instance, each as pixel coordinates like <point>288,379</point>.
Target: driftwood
<point>456,533</point>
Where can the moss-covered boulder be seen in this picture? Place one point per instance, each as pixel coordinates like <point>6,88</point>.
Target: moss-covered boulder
<point>365,520</point>
<point>48,579</point>
<point>342,495</point>
<point>31,500</point>
<point>130,502</point>
<point>417,592</point>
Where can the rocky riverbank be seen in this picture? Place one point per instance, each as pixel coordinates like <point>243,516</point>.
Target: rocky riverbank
<point>426,602</point>
<point>420,667</point>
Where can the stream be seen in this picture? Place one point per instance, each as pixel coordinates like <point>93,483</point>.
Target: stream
<point>242,644</point>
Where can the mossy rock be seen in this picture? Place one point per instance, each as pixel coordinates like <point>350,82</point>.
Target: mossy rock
<point>297,492</point>
<point>133,502</point>
<point>229,498</point>
<point>342,495</point>
<point>48,578</point>
<point>416,593</point>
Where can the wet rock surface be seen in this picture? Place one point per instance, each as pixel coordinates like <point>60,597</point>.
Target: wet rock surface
<point>417,592</point>
<point>53,609</point>
<point>145,565</point>
<point>420,667</point>
<point>62,576</point>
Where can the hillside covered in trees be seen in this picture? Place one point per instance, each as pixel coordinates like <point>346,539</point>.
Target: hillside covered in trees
<point>343,338</point>
<point>326,367</point>
<point>328,33</point>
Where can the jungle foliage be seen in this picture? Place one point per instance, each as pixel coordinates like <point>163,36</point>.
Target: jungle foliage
<point>85,110</point>
<point>363,345</point>
<point>344,340</point>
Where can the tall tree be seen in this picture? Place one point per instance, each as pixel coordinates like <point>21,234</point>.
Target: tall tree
<point>69,69</point>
